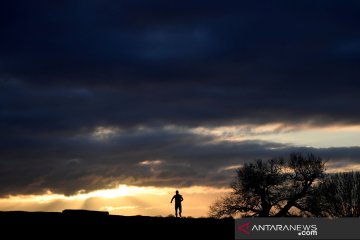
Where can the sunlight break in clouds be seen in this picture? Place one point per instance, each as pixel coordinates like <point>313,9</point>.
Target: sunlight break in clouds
<point>101,132</point>
<point>298,135</point>
<point>150,162</point>
<point>341,166</point>
<point>123,200</point>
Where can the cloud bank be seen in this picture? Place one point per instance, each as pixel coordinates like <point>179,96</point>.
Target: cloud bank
<point>88,90</point>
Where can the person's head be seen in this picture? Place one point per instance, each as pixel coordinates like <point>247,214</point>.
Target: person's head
<point>177,192</point>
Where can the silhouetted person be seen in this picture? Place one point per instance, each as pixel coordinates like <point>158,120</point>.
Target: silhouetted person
<point>178,199</point>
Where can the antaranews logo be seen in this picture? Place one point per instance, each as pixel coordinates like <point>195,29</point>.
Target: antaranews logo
<point>245,228</point>
<point>301,229</point>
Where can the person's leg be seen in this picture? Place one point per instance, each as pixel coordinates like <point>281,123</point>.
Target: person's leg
<point>176,209</point>
<point>180,210</point>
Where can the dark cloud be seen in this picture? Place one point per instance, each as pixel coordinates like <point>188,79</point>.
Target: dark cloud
<point>150,157</point>
<point>182,63</point>
<point>68,67</point>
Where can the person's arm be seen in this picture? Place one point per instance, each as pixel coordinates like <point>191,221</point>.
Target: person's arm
<point>181,199</point>
<point>172,199</point>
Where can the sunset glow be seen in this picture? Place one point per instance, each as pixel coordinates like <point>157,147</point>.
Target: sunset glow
<point>123,200</point>
<point>115,105</point>
<point>298,135</point>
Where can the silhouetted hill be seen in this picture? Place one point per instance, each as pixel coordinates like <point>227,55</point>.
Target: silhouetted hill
<point>81,223</point>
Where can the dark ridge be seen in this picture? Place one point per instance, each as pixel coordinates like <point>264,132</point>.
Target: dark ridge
<point>80,212</point>
<point>91,224</point>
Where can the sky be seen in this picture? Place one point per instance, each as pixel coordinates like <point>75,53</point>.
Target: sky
<point>113,105</point>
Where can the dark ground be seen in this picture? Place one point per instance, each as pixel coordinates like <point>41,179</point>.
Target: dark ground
<point>100,225</point>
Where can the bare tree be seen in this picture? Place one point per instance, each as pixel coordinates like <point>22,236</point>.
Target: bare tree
<point>278,187</point>
<point>339,195</point>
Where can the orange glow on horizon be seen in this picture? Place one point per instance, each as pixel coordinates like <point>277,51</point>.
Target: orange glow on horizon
<point>123,200</point>
<point>134,200</point>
